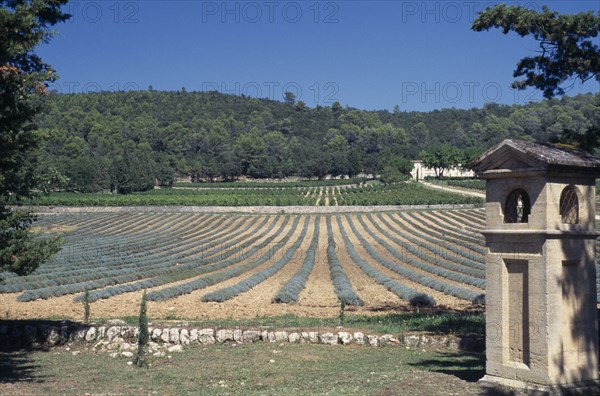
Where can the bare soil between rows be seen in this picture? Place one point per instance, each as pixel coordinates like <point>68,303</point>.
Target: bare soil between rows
<point>191,308</point>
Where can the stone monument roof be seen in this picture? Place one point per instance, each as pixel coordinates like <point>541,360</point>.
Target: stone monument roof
<point>540,155</point>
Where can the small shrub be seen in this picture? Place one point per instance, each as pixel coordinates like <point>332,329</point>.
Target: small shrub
<point>341,314</point>
<point>86,306</point>
<point>143,336</point>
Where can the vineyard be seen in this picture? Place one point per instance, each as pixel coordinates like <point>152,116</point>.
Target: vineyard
<point>331,195</point>
<point>227,265</point>
<point>271,184</point>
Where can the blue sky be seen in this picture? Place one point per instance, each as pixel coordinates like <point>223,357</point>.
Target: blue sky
<point>419,55</point>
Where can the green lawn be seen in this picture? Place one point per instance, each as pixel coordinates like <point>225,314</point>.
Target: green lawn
<point>249,369</point>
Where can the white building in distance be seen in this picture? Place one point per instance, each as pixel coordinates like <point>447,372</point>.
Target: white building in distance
<point>419,171</point>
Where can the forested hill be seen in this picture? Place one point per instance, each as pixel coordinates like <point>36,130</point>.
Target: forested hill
<point>131,140</point>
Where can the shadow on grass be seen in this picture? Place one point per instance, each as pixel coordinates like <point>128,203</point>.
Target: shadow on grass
<point>467,366</point>
<point>19,338</point>
<point>16,366</point>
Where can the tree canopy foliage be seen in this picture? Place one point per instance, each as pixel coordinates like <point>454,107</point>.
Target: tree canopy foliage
<point>567,46</point>
<point>442,158</point>
<point>569,51</point>
<point>23,78</point>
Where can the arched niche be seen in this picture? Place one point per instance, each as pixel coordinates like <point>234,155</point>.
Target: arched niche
<point>569,205</point>
<point>517,207</point>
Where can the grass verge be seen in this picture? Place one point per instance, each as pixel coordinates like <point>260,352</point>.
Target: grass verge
<point>249,369</point>
<point>432,321</point>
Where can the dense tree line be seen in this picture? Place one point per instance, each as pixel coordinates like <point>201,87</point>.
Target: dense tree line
<point>130,141</point>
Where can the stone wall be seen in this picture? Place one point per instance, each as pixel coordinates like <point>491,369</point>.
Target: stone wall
<point>121,339</point>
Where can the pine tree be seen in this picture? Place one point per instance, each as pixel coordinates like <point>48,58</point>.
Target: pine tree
<point>568,45</point>
<point>23,78</point>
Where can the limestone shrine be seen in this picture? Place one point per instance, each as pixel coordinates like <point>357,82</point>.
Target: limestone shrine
<point>541,309</point>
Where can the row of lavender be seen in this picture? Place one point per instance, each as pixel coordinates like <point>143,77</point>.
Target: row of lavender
<point>177,254</point>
